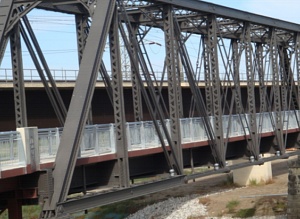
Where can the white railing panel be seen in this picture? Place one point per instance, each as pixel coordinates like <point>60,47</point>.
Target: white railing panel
<point>48,140</point>
<point>105,139</point>
<point>11,150</point>
<point>135,134</point>
<point>151,138</point>
<point>186,130</point>
<point>198,130</point>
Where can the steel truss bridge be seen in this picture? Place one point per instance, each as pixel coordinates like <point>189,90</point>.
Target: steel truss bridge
<point>231,43</point>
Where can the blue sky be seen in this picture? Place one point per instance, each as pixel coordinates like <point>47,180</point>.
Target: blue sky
<point>56,32</point>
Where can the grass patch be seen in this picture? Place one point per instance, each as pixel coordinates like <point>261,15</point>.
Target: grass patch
<point>280,206</point>
<point>244,213</point>
<point>253,182</point>
<point>231,205</point>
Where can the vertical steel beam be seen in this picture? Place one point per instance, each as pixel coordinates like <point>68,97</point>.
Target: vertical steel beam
<point>118,100</point>
<point>236,76</point>
<point>207,76</point>
<point>289,91</point>
<point>297,60</point>
<point>259,58</point>
<point>136,90</point>
<point>261,77</point>
<point>76,118</point>
<point>173,81</point>
<point>276,90</point>
<point>216,86</point>
<point>18,78</point>
<point>82,30</point>
<point>253,140</point>
<point>284,76</point>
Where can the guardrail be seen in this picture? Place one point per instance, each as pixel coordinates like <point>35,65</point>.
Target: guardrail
<point>67,75</point>
<point>100,139</point>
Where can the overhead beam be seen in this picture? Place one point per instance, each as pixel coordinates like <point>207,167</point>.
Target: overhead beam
<point>235,14</point>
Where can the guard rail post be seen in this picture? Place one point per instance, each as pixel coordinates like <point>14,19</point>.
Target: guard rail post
<point>29,136</point>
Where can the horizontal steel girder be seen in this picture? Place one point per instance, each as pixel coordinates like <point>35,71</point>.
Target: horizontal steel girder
<point>121,195</point>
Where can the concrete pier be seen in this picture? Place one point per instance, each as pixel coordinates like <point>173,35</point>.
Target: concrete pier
<point>253,174</point>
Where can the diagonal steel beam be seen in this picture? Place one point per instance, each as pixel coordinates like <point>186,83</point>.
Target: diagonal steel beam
<point>76,118</point>
<point>5,11</point>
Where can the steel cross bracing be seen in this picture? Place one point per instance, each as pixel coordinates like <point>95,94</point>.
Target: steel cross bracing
<point>233,43</point>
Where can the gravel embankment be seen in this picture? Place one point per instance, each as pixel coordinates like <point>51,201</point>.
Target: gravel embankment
<point>181,208</point>
<point>173,208</point>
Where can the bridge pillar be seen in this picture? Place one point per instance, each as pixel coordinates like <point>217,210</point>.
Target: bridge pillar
<point>29,137</point>
<point>293,204</point>
<point>253,174</point>
<point>14,209</point>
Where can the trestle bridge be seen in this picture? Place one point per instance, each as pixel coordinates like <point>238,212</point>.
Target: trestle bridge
<point>235,95</point>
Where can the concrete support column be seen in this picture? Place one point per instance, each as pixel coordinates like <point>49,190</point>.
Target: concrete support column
<point>29,137</point>
<point>293,205</point>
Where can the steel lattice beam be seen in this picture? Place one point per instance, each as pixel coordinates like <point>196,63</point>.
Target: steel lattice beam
<point>253,140</point>
<point>173,81</point>
<point>18,78</point>
<point>118,99</point>
<point>276,90</point>
<point>136,91</point>
<point>216,89</point>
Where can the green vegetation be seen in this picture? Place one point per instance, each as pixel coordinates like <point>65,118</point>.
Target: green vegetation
<point>244,213</point>
<point>280,205</point>
<point>231,205</point>
<point>253,182</point>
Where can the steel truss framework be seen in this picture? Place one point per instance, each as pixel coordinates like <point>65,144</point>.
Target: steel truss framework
<point>266,48</point>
